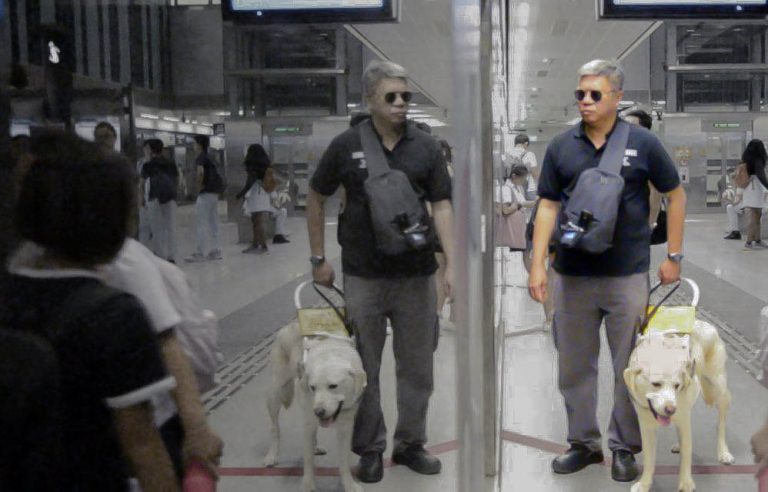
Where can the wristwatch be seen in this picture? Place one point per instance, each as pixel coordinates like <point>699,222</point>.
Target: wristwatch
<point>317,260</point>
<point>676,257</point>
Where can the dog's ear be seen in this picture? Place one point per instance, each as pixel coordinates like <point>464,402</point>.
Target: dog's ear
<point>689,372</point>
<point>360,380</point>
<point>630,376</point>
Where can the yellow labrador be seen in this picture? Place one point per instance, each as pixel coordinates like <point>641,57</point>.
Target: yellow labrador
<point>665,375</point>
<point>331,379</point>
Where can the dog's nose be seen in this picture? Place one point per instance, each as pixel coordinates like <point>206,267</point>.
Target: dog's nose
<point>670,409</point>
<point>320,412</point>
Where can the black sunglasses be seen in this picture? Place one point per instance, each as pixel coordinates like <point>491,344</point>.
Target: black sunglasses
<point>390,97</point>
<point>595,95</point>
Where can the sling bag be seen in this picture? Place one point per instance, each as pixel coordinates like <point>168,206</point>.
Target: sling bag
<point>587,220</point>
<point>399,218</point>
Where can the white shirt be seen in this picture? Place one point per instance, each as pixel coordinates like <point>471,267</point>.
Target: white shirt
<point>529,159</point>
<point>753,195</point>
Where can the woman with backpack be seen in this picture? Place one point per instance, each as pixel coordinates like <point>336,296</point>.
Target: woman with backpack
<point>257,193</point>
<point>753,191</point>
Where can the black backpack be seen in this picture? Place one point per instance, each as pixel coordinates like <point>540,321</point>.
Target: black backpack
<point>399,218</point>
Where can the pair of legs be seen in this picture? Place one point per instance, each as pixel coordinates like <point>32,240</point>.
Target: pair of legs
<point>753,226</point>
<point>162,218</point>
<point>410,304</point>
<point>207,213</point>
<point>259,224</point>
<point>581,304</point>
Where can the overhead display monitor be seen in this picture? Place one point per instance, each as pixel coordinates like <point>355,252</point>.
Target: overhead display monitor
<point>682,9</point>
<point>309,11</point>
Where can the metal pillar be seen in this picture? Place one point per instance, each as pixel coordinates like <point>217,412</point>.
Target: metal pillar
<point>475,338</point>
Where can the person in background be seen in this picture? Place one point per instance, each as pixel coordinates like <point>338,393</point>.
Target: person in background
<point>280,199</point>
<point>641,118</point>
<point>105,135</point>
<point>753,195</point>
<point>734,207</point>
<point>209,185</point>
<point>161,176</point>
<point>75,202</point>
<point>258,204</point>
<point>521,155</point>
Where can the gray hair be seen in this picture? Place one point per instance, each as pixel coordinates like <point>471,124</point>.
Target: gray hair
<point>604,68</point>
<point>376,71</point>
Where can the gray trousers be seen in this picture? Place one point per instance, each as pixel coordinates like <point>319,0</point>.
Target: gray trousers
<point>581,304</point>
<point>410,304</point>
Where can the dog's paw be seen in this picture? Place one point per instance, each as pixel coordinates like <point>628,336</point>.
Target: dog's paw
<point>676,449</point>
<point>270,460</point>
<point>686,485</point>
<point>320,451</point>
<point>307,485</point>
<point>641,487</point>
<point>725,457</point>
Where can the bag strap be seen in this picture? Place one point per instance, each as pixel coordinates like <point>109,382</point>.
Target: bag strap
<point>338,312</point>
<point>374,155</point>
<point>613,156</point>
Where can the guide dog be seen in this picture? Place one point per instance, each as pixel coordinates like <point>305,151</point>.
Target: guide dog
<point>331,379</point>
<point>664,387</point>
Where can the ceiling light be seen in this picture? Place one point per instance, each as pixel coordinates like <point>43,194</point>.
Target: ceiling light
<point>534,89</point>
<point>171,118</point>
<point>150,116</point>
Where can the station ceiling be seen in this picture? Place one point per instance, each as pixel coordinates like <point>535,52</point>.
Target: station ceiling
<point>559,36</point>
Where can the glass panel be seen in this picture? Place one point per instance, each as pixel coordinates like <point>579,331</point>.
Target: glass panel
<point>716,43</point>
<point>715,92</point>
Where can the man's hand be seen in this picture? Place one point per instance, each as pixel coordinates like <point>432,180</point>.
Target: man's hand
<point>537,283</point>
<point>669,272</point>
<point>759,443</point>
<point>448,282</point>
<point>204,446</point>
<point>323,274</point>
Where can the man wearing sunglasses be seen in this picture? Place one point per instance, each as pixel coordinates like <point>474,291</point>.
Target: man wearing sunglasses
<point>610,286</point>
<point>378,286</point>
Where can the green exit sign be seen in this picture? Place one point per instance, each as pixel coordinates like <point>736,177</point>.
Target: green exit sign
<point>726,125</point>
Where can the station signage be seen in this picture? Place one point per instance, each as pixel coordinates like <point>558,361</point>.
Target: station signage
<point>726,126</point>
<point>682,9</point>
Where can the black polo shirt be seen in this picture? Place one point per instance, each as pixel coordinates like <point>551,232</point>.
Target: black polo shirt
<point>418,155</point>
<point>645,160</point>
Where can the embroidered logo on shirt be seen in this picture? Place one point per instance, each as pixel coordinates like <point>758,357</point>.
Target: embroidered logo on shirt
<point>361,156</point>
<point>630,152</point>
<point>625,162</point>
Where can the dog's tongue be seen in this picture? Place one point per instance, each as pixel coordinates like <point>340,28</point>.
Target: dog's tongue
<point>663,420</point>
<point>325,423</point>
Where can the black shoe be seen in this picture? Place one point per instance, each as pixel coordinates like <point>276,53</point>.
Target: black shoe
<point>576,458</point>
<point>280,239</point>
<point>417,459</point>
<point>370,469</point>
<point>624,468</point>
<point>733,235</point>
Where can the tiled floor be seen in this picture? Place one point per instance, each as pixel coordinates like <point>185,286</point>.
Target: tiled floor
<point>254,296</point>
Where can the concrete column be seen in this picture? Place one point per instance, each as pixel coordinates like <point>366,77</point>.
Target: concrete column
<point>106,40</point>
<point>93,45</point>
<point>341,80</point>
<point>671,91</point>
<point>125,42</point>
<point>47,11</point>
<point>21,24</point>
<point>78,27</point>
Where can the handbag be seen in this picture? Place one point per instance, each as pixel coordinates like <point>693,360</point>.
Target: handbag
<point>509,230</point>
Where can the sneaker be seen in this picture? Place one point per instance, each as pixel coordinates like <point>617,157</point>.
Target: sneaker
<point>733,235</point>
<point>749,245</point>
<point>280,239</point>
<point>195,258</point>
<point>760,245</point>
<point>371,467</point>
<point>250,249</point>
<point>214,255</point>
